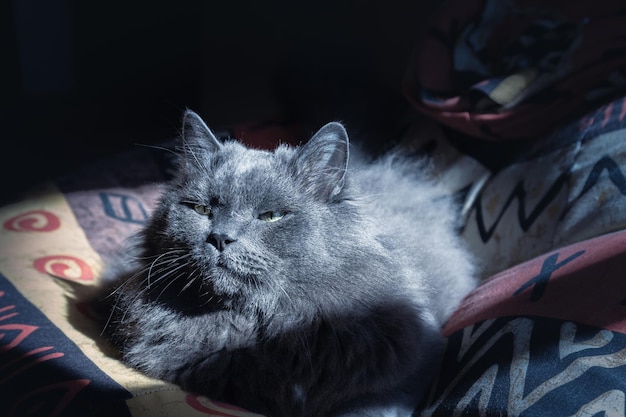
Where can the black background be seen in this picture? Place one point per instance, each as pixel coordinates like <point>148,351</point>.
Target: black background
<point>84,80</point>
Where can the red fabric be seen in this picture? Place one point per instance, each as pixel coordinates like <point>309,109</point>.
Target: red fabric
<point>583,282</point>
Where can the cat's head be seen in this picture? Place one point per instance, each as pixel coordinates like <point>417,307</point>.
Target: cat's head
<point>245,224</point>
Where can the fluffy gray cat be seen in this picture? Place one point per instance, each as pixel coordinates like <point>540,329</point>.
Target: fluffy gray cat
<point>293,282</point>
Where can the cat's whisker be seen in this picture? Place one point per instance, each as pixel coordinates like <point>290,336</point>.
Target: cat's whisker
<point>159,280</point>
<point>171,271</point>
<point>108,321</point>
<point>158,148</point>
<point>142,271</point>
<point>121,288</point>
<point>168,285</point>
<point>140,294</point>
<point>173,262</point>
<point>149,271</point>
<point>208,300</point>
<point>193,154</point>
<point>170,249</point>
<point>144,289</point>
<point>162,273</point>
<point>152,265</point>
<point>189,283</point>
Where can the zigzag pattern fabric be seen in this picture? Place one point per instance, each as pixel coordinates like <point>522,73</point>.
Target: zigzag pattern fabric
<point>568,188</point>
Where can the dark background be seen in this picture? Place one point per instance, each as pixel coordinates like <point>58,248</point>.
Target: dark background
<point>84,80</point>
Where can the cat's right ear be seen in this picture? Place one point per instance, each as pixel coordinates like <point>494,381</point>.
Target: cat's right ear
<point>322,162</point>
<point>197,137</point>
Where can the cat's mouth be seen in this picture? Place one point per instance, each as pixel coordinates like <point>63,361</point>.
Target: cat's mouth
<point>223,265</point>
<point>229,277</point>
<point>229,264</point>
<point>225,282</point>
<point>221,262</point>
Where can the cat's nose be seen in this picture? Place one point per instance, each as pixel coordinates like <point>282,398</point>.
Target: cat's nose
<point>219,240</point>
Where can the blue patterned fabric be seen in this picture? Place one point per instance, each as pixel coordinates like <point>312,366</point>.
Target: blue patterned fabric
<point>527,366</point>
<point>43,373</point>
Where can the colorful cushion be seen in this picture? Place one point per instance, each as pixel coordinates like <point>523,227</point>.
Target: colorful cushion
<point>545,338</point>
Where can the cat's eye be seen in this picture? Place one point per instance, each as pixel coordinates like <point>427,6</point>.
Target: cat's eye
<point>271,216</point>
<point>202,209</point>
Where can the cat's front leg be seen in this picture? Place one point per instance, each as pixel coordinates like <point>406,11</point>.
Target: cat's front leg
<point>168,345</point>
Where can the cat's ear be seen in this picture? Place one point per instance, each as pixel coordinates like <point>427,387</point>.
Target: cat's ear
<point>321,164</point>
<point>197,136</point>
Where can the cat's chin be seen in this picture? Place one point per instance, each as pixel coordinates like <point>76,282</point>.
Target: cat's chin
<point>226,282</point>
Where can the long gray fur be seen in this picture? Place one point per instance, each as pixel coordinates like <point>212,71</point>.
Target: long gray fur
<point>334,309</point>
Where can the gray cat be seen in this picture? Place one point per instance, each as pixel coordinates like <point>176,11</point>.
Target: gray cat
<point>291,283</point>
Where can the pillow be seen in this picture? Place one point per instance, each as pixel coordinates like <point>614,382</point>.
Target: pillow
<point>544,338</point>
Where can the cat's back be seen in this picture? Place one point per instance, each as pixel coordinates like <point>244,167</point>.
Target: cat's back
<point>417,219</point>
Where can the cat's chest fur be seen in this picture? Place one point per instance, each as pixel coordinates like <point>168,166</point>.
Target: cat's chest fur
<point>292,282</point>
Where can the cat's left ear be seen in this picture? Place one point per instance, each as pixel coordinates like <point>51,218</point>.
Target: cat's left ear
<point>197,136</point>
<point>322,162</point>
